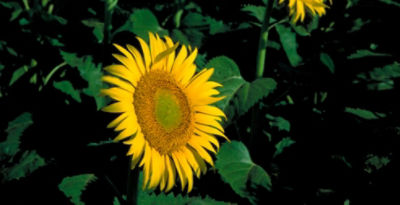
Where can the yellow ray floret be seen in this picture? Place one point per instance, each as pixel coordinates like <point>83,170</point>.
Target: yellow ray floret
<point>299,8</point>
<point>165,111</point>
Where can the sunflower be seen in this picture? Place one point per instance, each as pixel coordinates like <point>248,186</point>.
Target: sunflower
<point>165,111</point>
<point>298,8</point>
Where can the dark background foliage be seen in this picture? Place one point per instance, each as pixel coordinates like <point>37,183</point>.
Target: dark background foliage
<point>338,115</point>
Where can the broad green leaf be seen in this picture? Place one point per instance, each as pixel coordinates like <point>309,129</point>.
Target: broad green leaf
<point>366,53</point>
<point>381,78</point>
<point>281,123</point>
<point>365,114</point>
<point>227,73</point>
<point>217,26</point>
<point>18,73</point>
<point>289,44</point>
<point>67,88</point>
<point>146,197</point>
<point>28,163</point>
<point>90,72</point>
<point>256,11</point>
<point>73,186</point>
<point>194,19</point>
<point>250,93</point>
<point>240,172</point>
<point>179,36</point>
<point>141,22</point>
<point>10,146</point>
<point>281,145</point>
<point>167,199</point>
<point>327,61</point>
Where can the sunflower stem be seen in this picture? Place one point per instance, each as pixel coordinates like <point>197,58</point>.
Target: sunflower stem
<point>132,186</point>
<point>262,51</point>
<point>263,40</point>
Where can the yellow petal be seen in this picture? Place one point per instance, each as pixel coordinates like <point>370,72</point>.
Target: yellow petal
<point>146,52</point>
<point>123,72</point>
<point>118,107</point>
<point>117,120</point>
<point>118,82</point>
<point>118,94</point>
<point>210,110</point>
<point>180,170</point>
<point>171,173</point>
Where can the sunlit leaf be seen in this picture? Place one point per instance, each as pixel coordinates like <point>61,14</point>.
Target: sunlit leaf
<point>28,163</point>
<point>281,145</point>
<point>67,88</point>
<point>73,186</point>
<point>289,44</point>
<point>141,22</point>
<point>327,61</point>
<point>366,53</point>
<point>90,72</point>
<point>364,114</point>
<point>281,123</point>
<point>256,11</point>
<point>250,93</point>
<point>227,73</point>
<point>10,146</point>
<point>240,172</point>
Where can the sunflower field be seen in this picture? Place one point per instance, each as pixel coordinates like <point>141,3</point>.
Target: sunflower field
<point>129,102</point>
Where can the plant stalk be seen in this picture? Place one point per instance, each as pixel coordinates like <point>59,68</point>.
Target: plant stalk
<point>261,56</point>
<point>263,40</point>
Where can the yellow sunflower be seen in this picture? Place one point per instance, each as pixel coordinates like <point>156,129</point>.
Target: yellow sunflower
<point>298,8</point>
<point>165,112</point>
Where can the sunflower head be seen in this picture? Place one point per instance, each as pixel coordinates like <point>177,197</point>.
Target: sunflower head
<point>165,111</point>
<point>299,8</point>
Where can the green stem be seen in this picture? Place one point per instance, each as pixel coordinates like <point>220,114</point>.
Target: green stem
<point>108,10</point>
<point>262,42</point>
<point>132,186</point>
<point>262,51</point>
<point>55,69</point>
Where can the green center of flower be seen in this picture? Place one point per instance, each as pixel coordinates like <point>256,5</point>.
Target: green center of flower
<point>167,110</point>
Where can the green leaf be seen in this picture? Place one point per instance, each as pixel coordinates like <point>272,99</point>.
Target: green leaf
<point>98,28</point>
<point>375,163</point>
<point>28,163</point>
<point>141,22</point>
<point>10,146</point>
<point>327,61</point>
<point>90,72</point>
<point>366,53</point>
<point>146,197</point>
<point>256,11</point>
<point>67,88</point>
<point>281,123</point>
<point>163,199</point>
<point>284,143</point>
<point>227,73</point>
<point>364,114</point>
<point>217,26</point>
<point>193,19</point>
<point>250,93</point>
<point>18,74</point>
<point>390,2</point>
<point>73,186</point>
<point>289,44</point>
<point>381,78</point>
<point>240,172</point>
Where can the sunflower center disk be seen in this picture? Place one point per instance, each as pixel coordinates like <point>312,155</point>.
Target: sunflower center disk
<point>167,110</point>
<point>163,111</point>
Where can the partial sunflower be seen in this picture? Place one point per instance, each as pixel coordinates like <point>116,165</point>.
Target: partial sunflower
<point>299,8</point>
<point>165,110</point>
